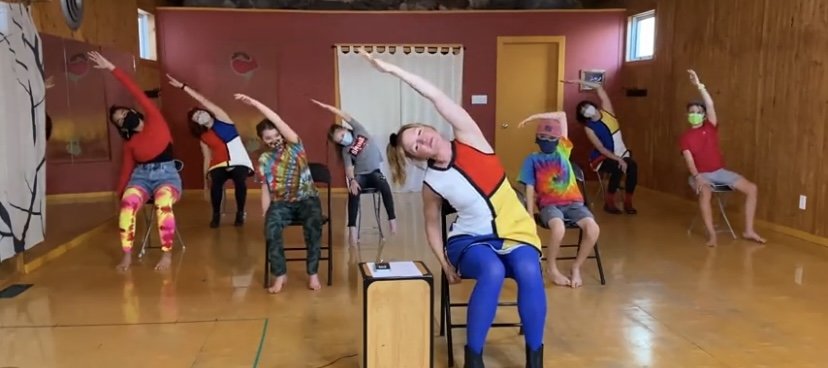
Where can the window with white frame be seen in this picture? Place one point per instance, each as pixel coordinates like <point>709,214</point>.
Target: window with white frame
<point>146,35</point>
<point>641,36</point>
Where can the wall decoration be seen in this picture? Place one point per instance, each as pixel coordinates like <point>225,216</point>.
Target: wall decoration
<point>592,75</point>
<point>243,64</point>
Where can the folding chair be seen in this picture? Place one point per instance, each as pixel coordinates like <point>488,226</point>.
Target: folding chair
<point>149,217</point>
<point>321,175</point>
<point>719,192</point>
<point>377,204</point>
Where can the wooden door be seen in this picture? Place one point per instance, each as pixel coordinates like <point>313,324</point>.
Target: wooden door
<point>529,70</point>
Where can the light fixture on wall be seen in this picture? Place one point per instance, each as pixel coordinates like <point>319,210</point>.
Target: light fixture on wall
<point>72,12</point>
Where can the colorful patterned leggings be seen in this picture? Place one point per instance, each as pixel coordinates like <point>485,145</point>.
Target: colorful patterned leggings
<point>165,196</point>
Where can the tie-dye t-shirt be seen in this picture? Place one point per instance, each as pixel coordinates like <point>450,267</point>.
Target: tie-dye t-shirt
<point>287,174</point>
<point>552,176</point>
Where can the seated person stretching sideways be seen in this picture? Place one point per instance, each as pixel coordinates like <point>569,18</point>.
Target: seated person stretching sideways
<point>551,185</point>
<point>700,147</point>
<point>288,194</point>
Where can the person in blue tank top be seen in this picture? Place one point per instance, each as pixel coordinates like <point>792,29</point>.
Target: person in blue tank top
<point>610,155</point>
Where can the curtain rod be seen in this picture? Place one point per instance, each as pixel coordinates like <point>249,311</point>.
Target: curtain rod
<point>398,45</point>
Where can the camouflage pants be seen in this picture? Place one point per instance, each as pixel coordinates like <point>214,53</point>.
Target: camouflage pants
<point>280,214</point>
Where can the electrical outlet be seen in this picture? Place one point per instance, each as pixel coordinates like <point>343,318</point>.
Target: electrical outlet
<point>803,200</point>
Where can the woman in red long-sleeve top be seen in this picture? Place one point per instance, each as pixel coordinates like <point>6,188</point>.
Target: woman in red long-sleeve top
<point>148,169</point>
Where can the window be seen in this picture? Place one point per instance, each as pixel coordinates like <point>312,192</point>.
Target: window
<point>146,35</point>
<point>641,36</point>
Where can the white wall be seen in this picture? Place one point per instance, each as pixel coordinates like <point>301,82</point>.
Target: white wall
<point>22,132</point>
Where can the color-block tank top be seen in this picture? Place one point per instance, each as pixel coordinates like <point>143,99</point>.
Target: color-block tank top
<point>487,206</point>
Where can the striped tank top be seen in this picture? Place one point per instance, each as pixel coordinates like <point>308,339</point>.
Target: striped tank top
<point>487,206</point>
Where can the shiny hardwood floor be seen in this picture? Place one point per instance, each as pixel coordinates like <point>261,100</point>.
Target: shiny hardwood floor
<point>669,301</point>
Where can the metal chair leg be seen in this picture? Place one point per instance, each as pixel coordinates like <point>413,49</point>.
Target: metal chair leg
<point>377,201</point>
<point>149,215</point>
<point>724,216</point>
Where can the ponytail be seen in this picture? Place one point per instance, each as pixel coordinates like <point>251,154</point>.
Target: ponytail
<point>396,160</point>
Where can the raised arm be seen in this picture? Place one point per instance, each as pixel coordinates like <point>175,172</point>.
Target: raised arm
<point>432,210</point>
<point>287,133</point>
<point>606,104</point>
<point>708,100</point>
<point>465,128</point>
<point>557,115</point>
<point>346,118</point>
<point>209,105</point>
<point>150,109</point>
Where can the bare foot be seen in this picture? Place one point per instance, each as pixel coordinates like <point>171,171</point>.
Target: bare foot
<point>558,278</point>
<point>392,225</point>
<point>165,262</point>
<point>712,241</point>
<point>353,236</point>
<point>126,261</point>
<point>576,278</point>
<point>753,236</point>
<point>278,284</point>
<point>313,282</point>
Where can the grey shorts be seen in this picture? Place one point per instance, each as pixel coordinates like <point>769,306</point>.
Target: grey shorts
<point>720,177</point>
<point>572,212</point>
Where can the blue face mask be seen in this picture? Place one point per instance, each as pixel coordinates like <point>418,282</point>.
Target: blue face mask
<point>547,146</point>
<point>347,139</point>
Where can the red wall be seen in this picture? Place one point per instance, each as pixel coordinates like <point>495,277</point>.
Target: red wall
<point>296,62</point>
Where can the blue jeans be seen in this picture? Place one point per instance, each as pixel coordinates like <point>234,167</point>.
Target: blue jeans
<point>149,177</point>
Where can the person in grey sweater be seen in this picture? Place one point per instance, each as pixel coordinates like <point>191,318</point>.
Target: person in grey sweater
<point>362,158</point>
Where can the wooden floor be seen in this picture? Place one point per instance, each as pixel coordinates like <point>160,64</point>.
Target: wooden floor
<point>669,301</point>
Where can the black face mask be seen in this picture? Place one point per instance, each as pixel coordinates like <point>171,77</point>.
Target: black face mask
<point>130,123</point>
<point>547,146</point>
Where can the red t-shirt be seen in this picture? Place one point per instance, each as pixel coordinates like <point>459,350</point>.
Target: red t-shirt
<point>150,141</point>
<point>703,144</point>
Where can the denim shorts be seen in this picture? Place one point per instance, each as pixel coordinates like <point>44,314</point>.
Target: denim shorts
<point>150,176</point>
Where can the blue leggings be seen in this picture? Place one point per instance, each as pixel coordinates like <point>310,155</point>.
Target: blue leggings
<point>489,269</point>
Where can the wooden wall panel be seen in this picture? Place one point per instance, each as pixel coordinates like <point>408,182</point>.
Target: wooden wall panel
<point>764,62</point>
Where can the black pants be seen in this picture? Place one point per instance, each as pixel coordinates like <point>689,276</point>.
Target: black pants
<point>611,167</point>
<point>376,180</point>
<point>219,176</point>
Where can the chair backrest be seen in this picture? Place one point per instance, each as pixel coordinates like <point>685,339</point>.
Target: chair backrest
<point>320,173</point>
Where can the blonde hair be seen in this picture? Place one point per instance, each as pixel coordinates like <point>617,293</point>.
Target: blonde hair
<point>397,155</point>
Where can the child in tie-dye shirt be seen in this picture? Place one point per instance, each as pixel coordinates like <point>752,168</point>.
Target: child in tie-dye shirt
<point>288,195</point>
<point>551,185</point>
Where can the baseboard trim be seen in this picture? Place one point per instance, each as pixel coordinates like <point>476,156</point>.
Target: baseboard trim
<point>793,232</point>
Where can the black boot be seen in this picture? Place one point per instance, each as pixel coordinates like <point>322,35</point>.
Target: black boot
<point>473,360</point>
<point>239,218</point>
<point>214,223</point>
<point>534,359</point>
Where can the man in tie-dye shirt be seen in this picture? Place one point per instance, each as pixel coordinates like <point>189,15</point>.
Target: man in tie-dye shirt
<point>551,185</point>
<point>288,195</point>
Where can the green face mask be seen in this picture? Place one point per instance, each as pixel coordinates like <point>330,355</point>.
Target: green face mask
<point>695,118</point>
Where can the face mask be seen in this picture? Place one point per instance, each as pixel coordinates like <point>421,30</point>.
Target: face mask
<point>130,123</point>
<point>547,146</point>
<point>590,111</point>
<point>347,139</point>
<point>695,118</point>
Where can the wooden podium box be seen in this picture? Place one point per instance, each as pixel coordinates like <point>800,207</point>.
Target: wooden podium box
<point>396,316</point>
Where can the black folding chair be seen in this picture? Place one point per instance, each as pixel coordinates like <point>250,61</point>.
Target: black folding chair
<point>321,175</point>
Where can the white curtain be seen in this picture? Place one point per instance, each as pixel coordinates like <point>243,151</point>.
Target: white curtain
<point>383,103</point>
<point>22,132</point>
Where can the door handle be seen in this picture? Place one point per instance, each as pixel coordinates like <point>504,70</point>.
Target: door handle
<point>504,125</point>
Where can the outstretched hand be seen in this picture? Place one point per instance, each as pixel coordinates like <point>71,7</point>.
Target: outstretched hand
<point>694,78</point>
<point>49,82</point>
<point>557,115</point>
<point>245,99</point>
<point>377,63</point>
<point>174,82</point>
<point>99,61</point>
